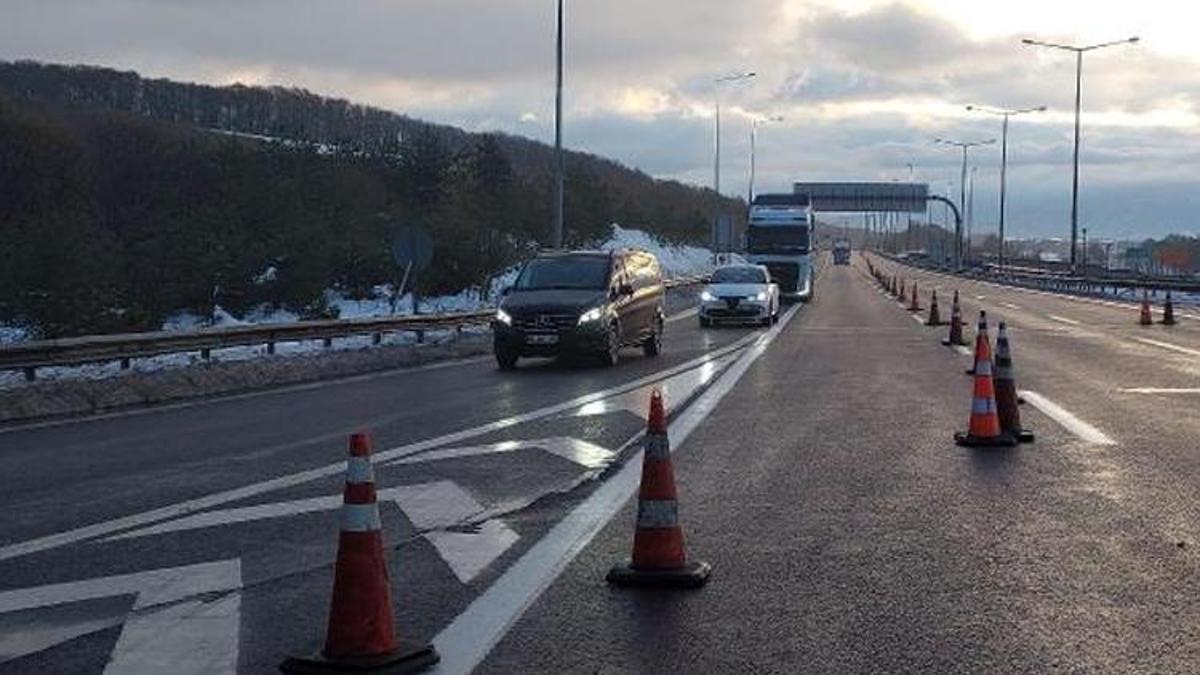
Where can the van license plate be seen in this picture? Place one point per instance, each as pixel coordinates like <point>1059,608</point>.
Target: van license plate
<point>541,339</point>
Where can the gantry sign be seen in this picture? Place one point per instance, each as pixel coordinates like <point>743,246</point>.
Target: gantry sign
<point>863,197</point>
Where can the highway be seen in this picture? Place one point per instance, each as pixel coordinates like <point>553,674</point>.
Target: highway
<point>817,474</point>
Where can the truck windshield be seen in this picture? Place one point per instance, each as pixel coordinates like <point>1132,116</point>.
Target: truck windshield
<point>739,275</point>
<point>568,272</point>
<point>777,239</point>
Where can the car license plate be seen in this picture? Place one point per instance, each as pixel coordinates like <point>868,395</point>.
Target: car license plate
<point>541,339</point>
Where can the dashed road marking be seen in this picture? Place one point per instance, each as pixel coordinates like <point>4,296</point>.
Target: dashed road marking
<point>1011,305</point>
<point>1063,319</point>
<point>1066,419</point>
<point>918,319</point>
<point>1167,345</point>
<point>1160,390</point>
<point>964,350</point>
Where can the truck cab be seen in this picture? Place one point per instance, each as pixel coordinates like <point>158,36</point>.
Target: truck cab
<point>779,236</point>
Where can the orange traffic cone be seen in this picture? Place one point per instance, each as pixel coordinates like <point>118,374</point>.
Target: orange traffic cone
<point>902,293</point>
<point>915,304</point>
<point>1168,311</point>
<point>956,332</point>
<point>1146,319</point>
<point>935,317</point>
<point>360,636</point>
<point>1006,390</point>
<point>984,430</point>
<point>659,557</point>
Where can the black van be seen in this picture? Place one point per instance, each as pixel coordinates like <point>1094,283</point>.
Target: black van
<point>582,302</point>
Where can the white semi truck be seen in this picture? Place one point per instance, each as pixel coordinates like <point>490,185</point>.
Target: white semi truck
<point>779,236</point>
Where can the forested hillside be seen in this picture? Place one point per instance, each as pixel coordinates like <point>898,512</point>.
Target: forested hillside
<point>125,199</point>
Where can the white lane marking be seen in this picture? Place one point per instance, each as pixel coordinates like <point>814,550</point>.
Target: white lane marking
<point>442,504</point>
<point>468,639</point>
<point>1063,319</point>
<point>581,452</point>
<point>965,351</point>
<point>1168,345</point>
<point>1068,421</point>
<point>216,499</point>
<point>287,389</point>
<point>160,634</point>
<point>676,388</point>
<point>679,316</point>
<point>1160,390</point>
<point>918,319</point>
<point>196,637</point>
<point>981,297</point>
<point>1011,305</point>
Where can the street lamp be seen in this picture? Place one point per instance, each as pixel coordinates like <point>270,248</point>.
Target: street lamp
<point>754,123</point>
<point>556,238</point>
<point>962,186</point>
<point>1078,51</point>
<point>736,77</point>
<point>1006,114</point>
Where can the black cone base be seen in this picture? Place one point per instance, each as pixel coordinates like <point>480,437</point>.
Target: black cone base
<point>408,657</point>
<point>1023,435</point>
<point>692,575</point>
<point>947,342</point>
<point>1004,440</point>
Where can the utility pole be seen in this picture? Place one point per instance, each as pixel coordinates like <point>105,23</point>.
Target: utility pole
<point>717,150</point>
<point>964,146</point>
<point>1079,52</point>
<point>556,240</point>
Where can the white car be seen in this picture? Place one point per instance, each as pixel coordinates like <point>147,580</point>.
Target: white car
<point>739,294</point>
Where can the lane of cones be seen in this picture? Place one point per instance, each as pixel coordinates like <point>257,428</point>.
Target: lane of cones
<point>361,636</point>
<point>659,556</point>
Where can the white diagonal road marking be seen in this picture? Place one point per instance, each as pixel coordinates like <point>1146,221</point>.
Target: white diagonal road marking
<point>1068,421</point>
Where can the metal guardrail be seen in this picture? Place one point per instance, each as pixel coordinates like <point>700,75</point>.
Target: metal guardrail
<point>29,356</point>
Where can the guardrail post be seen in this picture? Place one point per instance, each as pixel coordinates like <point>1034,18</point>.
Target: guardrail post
<point>206,353</point>
<point>30,374</point>
<point>125,363</point>
<point>328,343</point>
<point>376,338</point>
<point>270,347</point>
<point>420,337</point>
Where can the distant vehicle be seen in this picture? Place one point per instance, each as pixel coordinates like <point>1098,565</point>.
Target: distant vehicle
<point>581,302</point>
<point>739,293</point>
<point>779,236</point>
<point>841,252</point>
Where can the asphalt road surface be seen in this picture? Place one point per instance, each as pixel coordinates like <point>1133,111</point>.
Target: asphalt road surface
<point>816,470</point>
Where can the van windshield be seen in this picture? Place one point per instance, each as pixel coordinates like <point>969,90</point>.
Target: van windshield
<point>568,272</point>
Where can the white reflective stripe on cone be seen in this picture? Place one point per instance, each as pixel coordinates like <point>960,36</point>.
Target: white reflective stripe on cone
<point>983,367</point>
<point>982,406</point>
<point>657,447</point>
<point>359,470</point>
<point>360,517</point>
<point>658,513</point>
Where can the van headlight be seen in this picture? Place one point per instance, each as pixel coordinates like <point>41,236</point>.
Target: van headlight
<point>761,297</point>
<point>593,314</point>
<point>706,296</point>
<point>503,317</point>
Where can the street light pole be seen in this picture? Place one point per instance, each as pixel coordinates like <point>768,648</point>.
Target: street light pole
<point>753,142</point>
<point>1078,51</point>
<point>1005,114</point>
<point>717,150</point>
<point>965,146</point>
<point>556,239</point>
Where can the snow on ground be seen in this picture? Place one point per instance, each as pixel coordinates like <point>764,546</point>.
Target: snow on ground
<point>677,261</point>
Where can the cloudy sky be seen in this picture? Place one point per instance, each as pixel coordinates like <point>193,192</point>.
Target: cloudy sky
<point>863,86</point>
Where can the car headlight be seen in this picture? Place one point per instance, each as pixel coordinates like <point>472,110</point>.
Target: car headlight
<point>503,317</point>
<point>593,314</point>
<point>761,297</point>
<point>706,296</point>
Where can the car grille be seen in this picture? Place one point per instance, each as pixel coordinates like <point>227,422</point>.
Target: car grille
<point>545,323</point>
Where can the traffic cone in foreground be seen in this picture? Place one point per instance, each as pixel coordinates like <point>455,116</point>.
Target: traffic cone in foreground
<point>1168,311</point>
<point>1006,390</point>
<point>659,557</point>
<point>915,304</point>
<point>1146,319</point>
<point>360,636</point>
<point>956,331</point>
<point>984,430</point>
<point>935,317</point>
